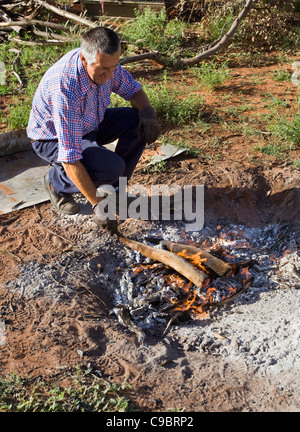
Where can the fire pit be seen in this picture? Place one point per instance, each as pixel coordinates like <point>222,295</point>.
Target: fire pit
<point>173,282</point>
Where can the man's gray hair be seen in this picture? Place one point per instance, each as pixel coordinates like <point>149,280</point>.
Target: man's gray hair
<point>99,39</point>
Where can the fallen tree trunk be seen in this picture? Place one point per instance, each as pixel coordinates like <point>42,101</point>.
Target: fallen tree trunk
<point>170,259</point>
<point>14,142</point>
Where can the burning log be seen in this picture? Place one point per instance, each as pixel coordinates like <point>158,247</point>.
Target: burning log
<point>168,258</point>
<point>215,264</point>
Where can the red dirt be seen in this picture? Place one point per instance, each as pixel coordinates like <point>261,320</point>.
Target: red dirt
<point>45,336</point>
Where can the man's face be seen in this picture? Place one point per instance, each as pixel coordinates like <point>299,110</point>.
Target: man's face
<point>103,69</point>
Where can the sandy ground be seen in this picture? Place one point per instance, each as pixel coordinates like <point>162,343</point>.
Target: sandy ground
<point>59,278</point>
<point>58,281</point>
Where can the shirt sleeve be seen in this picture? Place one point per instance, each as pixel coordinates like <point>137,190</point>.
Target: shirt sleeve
<point>67,120</point>
<point>124,84</point>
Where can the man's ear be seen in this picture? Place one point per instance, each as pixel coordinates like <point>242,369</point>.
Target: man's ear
<point>84,62</point>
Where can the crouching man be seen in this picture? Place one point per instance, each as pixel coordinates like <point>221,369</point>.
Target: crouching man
<point>70,121</point>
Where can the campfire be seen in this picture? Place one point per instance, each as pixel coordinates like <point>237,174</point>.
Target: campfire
<point>179,281</point>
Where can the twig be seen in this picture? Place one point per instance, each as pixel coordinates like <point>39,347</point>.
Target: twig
<point>11,253</point>
<point>174,317</point>
<point>147,56</point>
<point>58,235</point>
<point>229,299</point>
<point>14,63</point>
<point>6,18</point>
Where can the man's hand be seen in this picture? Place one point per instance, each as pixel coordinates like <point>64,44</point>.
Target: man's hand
<point>148,125</point>
<point>110,225</point>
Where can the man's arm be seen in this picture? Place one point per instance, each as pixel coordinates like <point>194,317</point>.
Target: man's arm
<point>81,178</point>
<point>149,125</point>
<point>140,100</point>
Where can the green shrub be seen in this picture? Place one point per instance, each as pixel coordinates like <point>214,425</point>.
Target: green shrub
<point>210,74</point>
<point>174,106</point>
<point>287,130</point>
<point>152,29</point>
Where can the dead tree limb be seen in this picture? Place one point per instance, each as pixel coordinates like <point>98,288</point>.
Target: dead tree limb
<point>182,62</point>
<point>147,56</point>
<point>6,18</point>
<point>66,14</point>
<point>38,42</point>
<point>25,22</point>
<point>223,42</point>
<point>168,258</point>
<point>53,36</point>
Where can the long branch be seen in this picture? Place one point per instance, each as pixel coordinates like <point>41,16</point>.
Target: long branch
<point>66,14</point>
<point>25,22</point>
<point>225,39</point>
<point>181,62</point>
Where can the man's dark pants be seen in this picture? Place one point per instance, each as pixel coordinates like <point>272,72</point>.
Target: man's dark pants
<point>104,166</point>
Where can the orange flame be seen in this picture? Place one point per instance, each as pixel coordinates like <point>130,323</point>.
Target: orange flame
<point>274,259</point>
<point>194,259</point>
<point>245,271</point>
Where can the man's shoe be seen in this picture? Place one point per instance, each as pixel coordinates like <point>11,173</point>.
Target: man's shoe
<point>64,204</point>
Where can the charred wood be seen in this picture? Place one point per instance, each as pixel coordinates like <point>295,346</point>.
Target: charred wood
<point>216,264</point>
<point>179,264</point>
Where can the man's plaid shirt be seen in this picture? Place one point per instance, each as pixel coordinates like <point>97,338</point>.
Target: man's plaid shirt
<point>67,104</point>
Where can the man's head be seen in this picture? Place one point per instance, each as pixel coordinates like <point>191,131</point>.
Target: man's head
<point>100,53</point>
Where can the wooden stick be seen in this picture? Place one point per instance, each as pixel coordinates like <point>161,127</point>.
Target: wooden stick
<point>39,42</point>
<point>53,36</point>
<point>216,264</point>
<point>25,22</point>
<point>247,284</point>
<point>66,14</point>
<point>168,258</point>
<point>18,52</point>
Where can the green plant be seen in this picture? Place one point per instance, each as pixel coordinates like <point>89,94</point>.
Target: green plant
<point>296,4</point>
<point>31,65</point>
<point>87,393</point>
<point>174,106</point>
<point>180,142</point>
<point>271,149</point>
<point>152,29</point>
<point>282,75</point>
<point>19,115</point>
<point>287,130</point>
<point>210,74</point>
<point>220,23</point>
<point>157,167</point>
